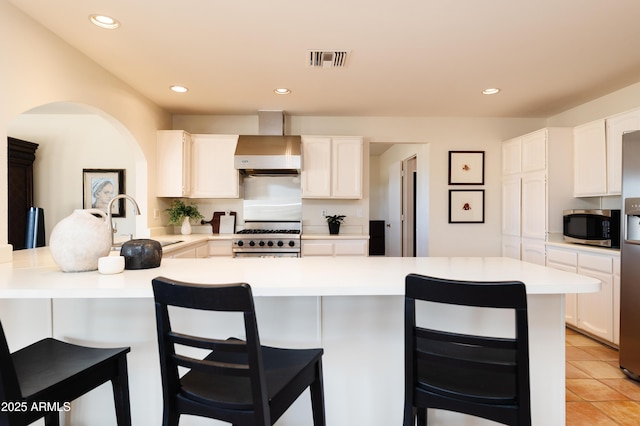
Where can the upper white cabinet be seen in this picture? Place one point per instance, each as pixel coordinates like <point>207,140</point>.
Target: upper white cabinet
<point>173,164</point>
<point>332,167</point>
<point>598,154</point>
<point>213,173</point>
<point>590,159</point>
<point>616,126</point>
<point>196,166</point>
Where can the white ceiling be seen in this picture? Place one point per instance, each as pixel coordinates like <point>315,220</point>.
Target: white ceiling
<point>408,57</point>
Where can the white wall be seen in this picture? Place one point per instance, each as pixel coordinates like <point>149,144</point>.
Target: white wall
<point>442,134</point>
<point>38,68</point>
<point>69,143</point>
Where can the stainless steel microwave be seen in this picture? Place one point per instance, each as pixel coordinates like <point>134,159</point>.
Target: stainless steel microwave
<point>593,227</point>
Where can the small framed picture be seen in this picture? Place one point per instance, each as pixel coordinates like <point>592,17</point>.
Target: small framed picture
<point>466,206</point>
<point>466,167</point>
<point>99,186</point>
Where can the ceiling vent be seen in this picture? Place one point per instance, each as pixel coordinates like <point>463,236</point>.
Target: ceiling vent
<point>327,58</point>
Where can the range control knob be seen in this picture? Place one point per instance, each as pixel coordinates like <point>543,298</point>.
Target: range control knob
<point>240,243</point>
<point>292,243</point>
<point>280,243</point>
<point>252,243</point>
<point>270,243</point>
<point>261,243</point>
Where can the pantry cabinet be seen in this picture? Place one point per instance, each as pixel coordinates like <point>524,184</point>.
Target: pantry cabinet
<point>597,314</point>
<point>173,163</point>
<point>332,167</point>
<point>213,172</point>
<point>535,181</point>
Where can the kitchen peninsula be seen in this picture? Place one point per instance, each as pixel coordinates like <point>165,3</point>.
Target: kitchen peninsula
<point>353,307</point>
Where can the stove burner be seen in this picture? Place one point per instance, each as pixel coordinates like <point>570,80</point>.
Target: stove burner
<point>269,231</point>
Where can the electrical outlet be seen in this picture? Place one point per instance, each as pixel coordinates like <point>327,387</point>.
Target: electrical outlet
<point>156,214</point>
<point>323,213</point>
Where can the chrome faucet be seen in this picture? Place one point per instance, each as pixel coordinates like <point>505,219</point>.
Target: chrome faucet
<point>110,215</point>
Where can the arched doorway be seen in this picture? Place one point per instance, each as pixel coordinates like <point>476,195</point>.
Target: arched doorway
<point>73,137</point>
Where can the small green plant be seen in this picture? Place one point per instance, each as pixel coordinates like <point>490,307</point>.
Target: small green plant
<point>336,218</point>
<point>179,210</point>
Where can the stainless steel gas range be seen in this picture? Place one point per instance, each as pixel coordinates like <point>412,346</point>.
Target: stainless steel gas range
<point>272,217</point>
<point>268,239</point>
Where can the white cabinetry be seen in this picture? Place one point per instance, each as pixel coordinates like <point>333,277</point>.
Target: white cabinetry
<point>615,127</point>
<point>590,159</point>
<point>220,248</point>
<point>595,310</point>
<point>329,247</point>
<point>598,154</point>
<point>200,250</point>
<point>196,166</point>
<point>598,313</point>
<point>331,167</point>
<point>566,261</point>
<point>173,164</point>
<point>213,172</point>
<point>535,181</point>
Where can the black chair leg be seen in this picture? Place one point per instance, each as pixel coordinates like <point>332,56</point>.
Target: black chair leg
<point>52,419</point>
<point>422,417</point>
<point>120,386</point>
<point>317,399</point>
<point>170,417</point>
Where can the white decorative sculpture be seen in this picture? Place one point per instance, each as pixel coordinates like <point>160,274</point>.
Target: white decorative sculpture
<point>79,240</point>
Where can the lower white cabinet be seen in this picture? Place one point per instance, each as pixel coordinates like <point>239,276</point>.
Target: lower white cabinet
<point>595,313</point>
<point>330,247</point>
<point>220,248</point>
<point>200,250</point>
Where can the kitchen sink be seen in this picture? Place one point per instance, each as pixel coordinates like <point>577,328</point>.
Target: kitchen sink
<point>168,243</point>
<point>118,246</point>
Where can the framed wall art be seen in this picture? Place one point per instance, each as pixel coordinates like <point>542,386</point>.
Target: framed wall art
<point>466,206</point>
<point>466,167</point>
<point>99,186</point>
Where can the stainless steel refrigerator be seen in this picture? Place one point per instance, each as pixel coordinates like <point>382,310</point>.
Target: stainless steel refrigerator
<point>630,257</point>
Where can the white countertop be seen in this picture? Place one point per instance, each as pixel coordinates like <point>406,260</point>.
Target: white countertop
<point>334,237</point>
<point>33,274</point>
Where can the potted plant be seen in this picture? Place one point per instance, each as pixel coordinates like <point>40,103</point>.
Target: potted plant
<point>180,214</point>
<point>334,223</point>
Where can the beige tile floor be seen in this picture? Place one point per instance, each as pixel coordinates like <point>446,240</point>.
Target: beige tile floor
<point>597,392</point>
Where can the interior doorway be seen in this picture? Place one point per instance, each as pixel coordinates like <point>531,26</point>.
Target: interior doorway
<point>409,194</point>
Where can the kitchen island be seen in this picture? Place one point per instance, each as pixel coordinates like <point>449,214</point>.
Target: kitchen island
<point>353,307</point>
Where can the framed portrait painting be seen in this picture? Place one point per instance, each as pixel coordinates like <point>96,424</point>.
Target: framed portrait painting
<point>466,167</point>
<point>466,206</point>
<point>99,186</point>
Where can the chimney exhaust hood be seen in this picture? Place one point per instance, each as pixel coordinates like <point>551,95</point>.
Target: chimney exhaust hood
<point>270,152</point>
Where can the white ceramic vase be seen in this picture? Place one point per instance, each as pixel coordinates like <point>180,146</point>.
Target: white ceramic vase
<point>79,240</point>
<point>185,229</point>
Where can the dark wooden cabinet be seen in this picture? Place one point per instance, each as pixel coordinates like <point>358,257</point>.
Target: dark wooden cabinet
<point>21,155</point>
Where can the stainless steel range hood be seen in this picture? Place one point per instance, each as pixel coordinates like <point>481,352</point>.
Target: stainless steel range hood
<point>270,152</point>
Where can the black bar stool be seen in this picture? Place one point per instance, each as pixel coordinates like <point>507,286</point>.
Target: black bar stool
<point>482,376</point>
<point>43,378</point>
<point>240,382</point>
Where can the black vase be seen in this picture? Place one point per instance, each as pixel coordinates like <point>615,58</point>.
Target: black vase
<point>334,228</point>
<point>141,254</point>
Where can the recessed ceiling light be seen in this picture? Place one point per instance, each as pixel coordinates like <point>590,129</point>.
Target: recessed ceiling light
<point>282,91</point>
<point>179,89</point>
<point>104,21</point>
<point>490,91</point>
